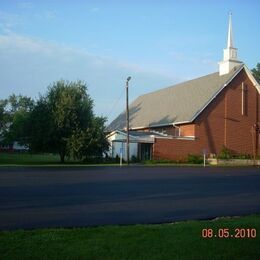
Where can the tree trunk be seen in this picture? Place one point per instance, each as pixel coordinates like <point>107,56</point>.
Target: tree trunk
<point>62,156</point>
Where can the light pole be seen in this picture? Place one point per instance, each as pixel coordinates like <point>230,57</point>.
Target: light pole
<point>127,122</point>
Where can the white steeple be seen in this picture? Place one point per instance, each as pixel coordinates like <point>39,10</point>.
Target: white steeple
<point>230,34</point>
<point>230,53</point>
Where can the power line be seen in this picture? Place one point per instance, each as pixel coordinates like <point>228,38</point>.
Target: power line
<point>115,103</point>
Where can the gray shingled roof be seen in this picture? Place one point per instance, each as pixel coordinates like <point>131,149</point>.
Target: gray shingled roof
<point>174,104</point>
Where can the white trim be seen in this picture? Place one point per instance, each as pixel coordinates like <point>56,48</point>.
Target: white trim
<point>142,127</point>
<point>133,141</point>
<point>138,128</point>
<point>181,122</point>
<point>120,132</point>
<point>190,138</point>
<point>161,125</point>
<point>251,77</point>
<point>110,134</point>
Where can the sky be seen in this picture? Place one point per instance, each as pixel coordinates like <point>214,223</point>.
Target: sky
<point>157,43</point>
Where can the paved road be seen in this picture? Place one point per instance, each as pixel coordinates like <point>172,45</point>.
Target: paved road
<point>69,197</point>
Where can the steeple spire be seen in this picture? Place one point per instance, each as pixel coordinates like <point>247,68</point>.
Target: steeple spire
<point>230,53</point>
<point>230,34</point>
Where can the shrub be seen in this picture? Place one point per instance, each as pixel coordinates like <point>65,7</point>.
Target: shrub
<point>159,161</point>
<point>225,153</point>
<point>193,158</point>
<point>243,156</point>
<point>102,160</point>
<point>93,160</point>
<point>134,159</point>
<point>117,158</point>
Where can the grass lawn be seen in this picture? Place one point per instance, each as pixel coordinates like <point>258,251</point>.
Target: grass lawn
<point>182,240</point>
<point>27,158</point>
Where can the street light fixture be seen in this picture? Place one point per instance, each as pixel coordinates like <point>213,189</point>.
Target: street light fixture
<point>127,122</point>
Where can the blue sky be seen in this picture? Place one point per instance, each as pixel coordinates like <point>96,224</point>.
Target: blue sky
<point>158,43</point>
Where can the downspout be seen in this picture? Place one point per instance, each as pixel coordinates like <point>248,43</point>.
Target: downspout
<point>178,128</point>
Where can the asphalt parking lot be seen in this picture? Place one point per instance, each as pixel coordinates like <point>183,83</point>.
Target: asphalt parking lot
<point>35,197</point>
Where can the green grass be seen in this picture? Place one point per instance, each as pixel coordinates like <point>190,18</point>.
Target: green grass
<point>181,240</point>
<point>28,158</point>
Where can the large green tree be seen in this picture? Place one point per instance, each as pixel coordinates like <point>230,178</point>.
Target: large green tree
<point>256,72</point>
<point>63,121</point>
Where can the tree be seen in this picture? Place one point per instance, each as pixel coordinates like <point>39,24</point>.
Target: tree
<point>63,121</point>
<point>3,104</point>
<point>20,103</point>
<point>2,113</point>
<point>90,142</point>
<point>40,127</point>
<point>256,72</point>
<point>14,117</point>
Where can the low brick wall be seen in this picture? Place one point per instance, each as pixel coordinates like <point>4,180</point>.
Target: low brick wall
<point>234,162</point>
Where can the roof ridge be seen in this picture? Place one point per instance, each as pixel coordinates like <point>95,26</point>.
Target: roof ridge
<point>190,80</point>
<point>177,84</point>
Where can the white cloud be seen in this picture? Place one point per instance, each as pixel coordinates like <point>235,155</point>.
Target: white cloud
<point>26,44</point>
<point>29,65</point>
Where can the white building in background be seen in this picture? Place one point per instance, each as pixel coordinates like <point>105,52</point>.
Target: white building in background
<point>15,147</point>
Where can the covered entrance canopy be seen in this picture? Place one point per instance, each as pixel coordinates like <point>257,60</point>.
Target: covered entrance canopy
<point>141,143</point>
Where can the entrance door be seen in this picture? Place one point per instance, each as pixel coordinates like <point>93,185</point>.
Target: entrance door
<point>146,152</point>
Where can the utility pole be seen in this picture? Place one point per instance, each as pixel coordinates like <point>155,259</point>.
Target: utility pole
<point>255,134</point>
<point>127,122</point>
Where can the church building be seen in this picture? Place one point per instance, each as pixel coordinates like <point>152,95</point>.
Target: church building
<point>200,115</point>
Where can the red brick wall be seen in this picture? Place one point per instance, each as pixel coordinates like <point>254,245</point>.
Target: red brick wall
<point>174,149</point>
<point>221,123</point>
<point>187,130</point>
